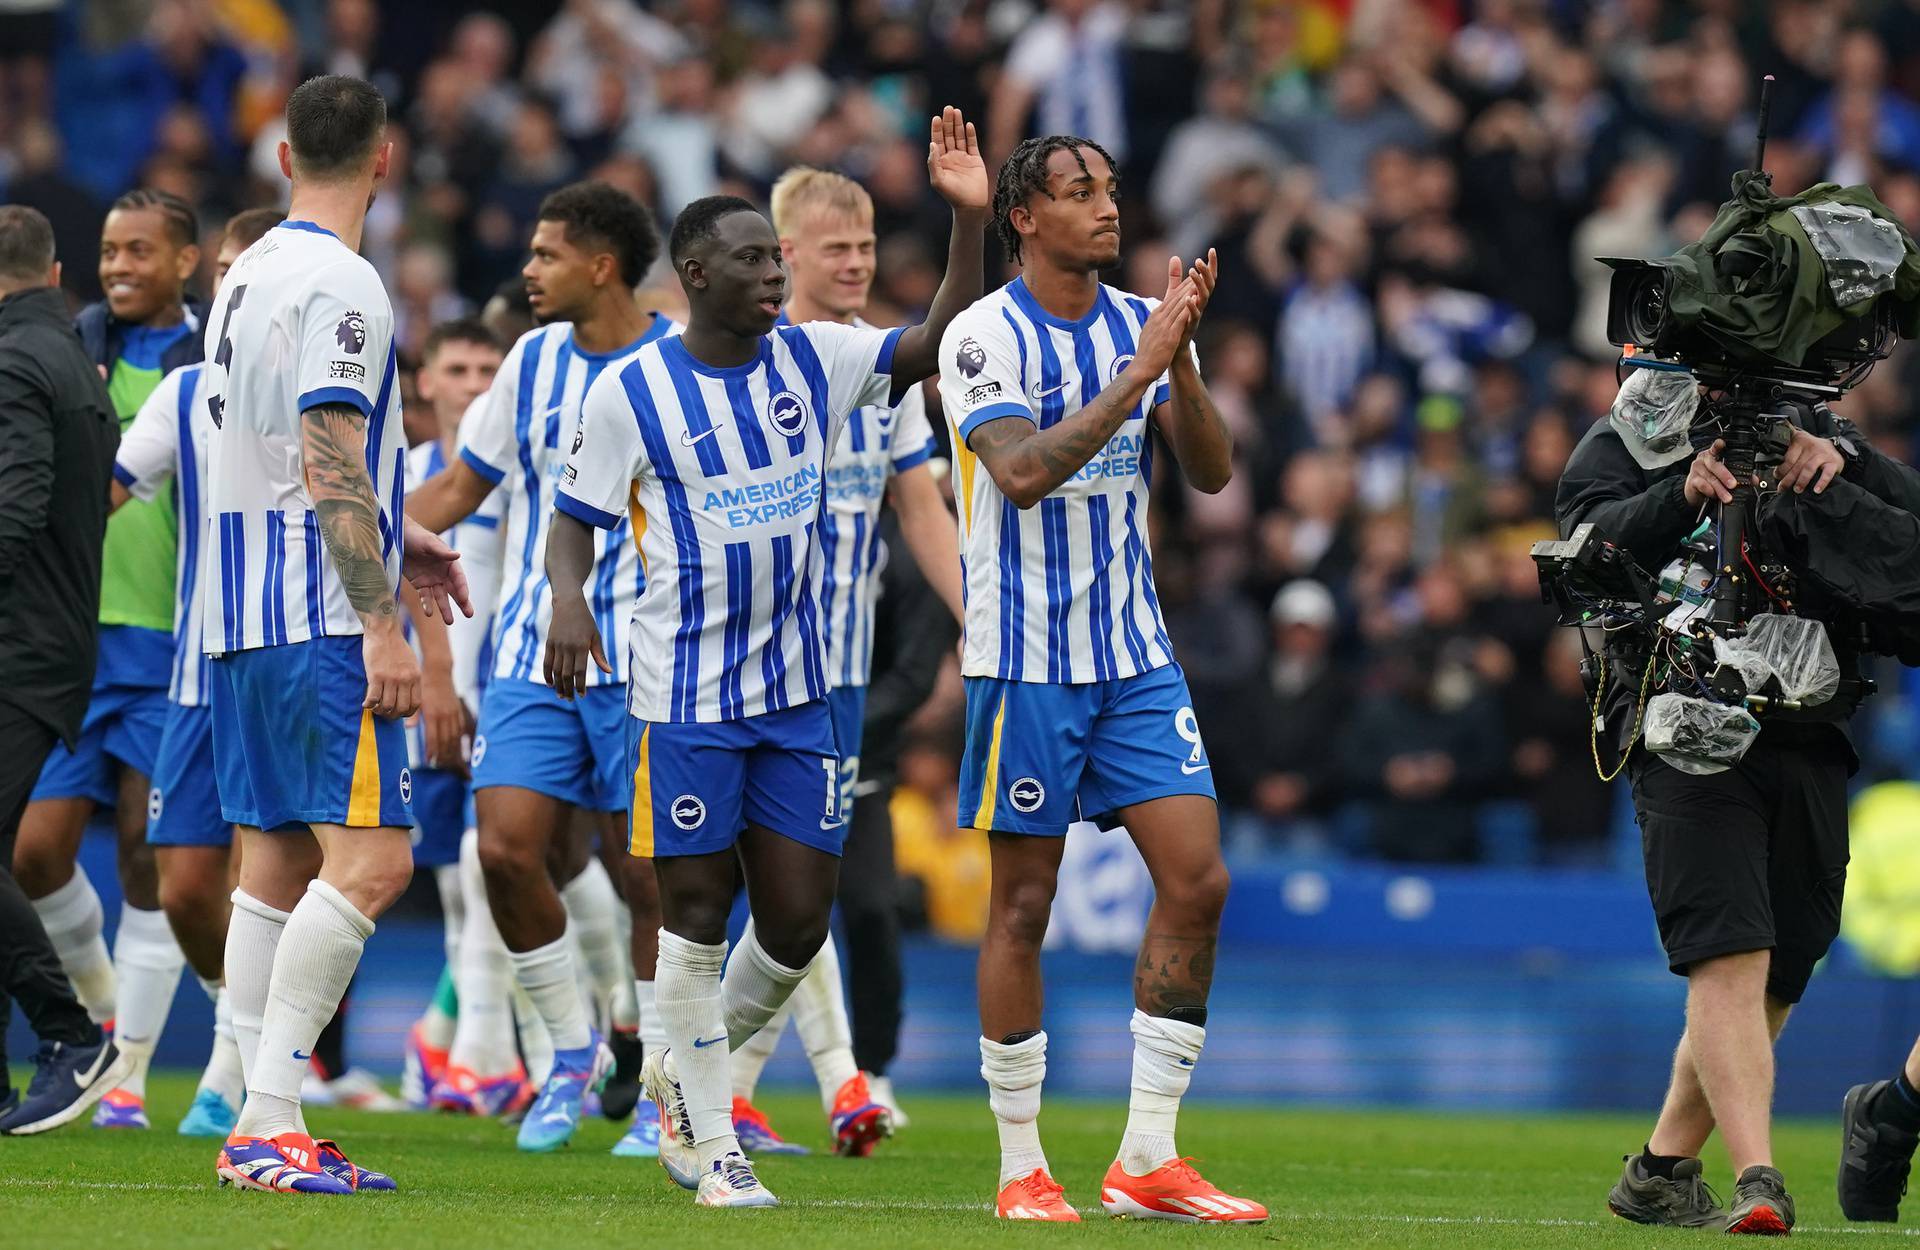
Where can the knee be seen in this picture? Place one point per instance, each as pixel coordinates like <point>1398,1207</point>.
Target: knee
<point>796,942</point>
<point>1024,909</point>
<point>699,920</point>
<point>1196,898</point>
<point>191,897</point>
<point>508,861</point>
<point>39,871</point>
<point>375,883</point>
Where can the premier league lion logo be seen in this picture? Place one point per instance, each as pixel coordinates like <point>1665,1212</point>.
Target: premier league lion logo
<point>351,333</point>
<point>970,357</point>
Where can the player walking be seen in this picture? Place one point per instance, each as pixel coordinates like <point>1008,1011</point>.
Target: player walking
<point>458,362</point>
<point>533,754</point>
<point>825,224</point>
<point>1075,704</point>
<point>717,441</point>
<point>166,446</point>
<point>311,672</point>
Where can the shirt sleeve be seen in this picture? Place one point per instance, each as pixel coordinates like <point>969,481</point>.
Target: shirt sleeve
<point>346,331</point>
<point>858,361</point>
<point>149,453</point>
<point>981,378</point>
<point>488,441</point>
<point>607,455</point>
<point>912,435</point>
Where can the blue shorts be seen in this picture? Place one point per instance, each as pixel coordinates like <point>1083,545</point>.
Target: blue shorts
<point>1040,756</point>
<point>697,785</point>
<point>439,816</point>
<point>531,738</point>
<point>183,808</point>
<point>122,728</point>
<point>848,706</point>
<point>293,746</point>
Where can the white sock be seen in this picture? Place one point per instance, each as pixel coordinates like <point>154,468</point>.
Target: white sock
<point>453,907</point>
<point>1164,1052</point>
<point>820,1016</point>
<point>646,1004</point>
<point>483,1037</point>
<point>546,973</point>
<point>536,1044</point>
<point>688,985</point>
<point>146,965</point>
<point>594,912</point>
<point>74,921</point>
<point>318,952</point>
<point>750,1057</point>
<point>253,935</point>
<point>756,986</point>
<point>1014,1075</point>
<point>222,1074</point>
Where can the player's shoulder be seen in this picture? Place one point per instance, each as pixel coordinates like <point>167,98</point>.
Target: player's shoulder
<point>532,343</point>
<point>985,318</point>
<point>1140,306</point>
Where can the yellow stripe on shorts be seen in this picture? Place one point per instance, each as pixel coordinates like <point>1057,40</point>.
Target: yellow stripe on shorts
<point>990,787</point>
<point>363,800</point>
<point>640,817</point>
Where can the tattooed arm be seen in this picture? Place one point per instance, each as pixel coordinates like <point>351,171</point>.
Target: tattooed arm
<point>1193,426</point>
<point>1028,463</point>
<point>333,444</point>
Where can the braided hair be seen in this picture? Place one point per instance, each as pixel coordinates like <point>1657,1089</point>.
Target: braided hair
<point>182,222</point>
<point>1024,175</point>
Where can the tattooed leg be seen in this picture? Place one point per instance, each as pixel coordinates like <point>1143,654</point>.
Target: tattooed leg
<point>1179,838</point>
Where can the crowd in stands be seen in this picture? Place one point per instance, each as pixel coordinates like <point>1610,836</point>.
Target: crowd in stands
<point>1406,197</point>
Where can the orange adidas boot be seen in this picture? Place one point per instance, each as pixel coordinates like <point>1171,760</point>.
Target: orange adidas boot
<point>1035,1196</point>
<point>1174,1191</point>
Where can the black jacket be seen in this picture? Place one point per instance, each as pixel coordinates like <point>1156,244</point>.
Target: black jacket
<point>58,436</point>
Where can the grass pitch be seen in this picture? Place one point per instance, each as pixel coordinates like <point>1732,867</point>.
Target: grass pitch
<point>1331,1178</point>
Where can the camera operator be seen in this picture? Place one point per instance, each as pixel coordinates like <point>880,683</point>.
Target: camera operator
<point>1745,867</point>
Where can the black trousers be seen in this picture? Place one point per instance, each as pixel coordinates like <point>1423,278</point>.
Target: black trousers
<point>869,912</point>
<point>30,972</point>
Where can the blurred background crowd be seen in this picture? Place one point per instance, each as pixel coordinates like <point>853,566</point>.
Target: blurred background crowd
<point>1406,196</point>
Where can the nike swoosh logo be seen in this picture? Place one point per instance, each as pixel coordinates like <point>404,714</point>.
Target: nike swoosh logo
<point>302,1058</point>
<point>1191,769</point>
<point>831,824</point>
<point>1037,393</point>
<point>702,1043</point>
<point>702,437</point>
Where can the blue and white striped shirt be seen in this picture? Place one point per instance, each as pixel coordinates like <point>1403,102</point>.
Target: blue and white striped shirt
<point>1061,592</point>
<point>722,471</point>
<point>301,322</point>
<point>167,442</point>
<point>519,439</point>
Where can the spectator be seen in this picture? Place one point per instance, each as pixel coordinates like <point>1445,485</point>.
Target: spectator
<point>1063,75</point>
<point>1220,141</point>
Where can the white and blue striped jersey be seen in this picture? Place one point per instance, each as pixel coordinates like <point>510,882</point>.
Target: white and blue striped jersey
<point>519,440</point>
<point>722,471</point>
<point>301,321</point>
<point>1062,592</point>
<point>479,539</point>
<point>877,443</point>
<point>167,442</point>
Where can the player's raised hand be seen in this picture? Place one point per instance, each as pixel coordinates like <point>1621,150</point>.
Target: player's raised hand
<point>434,570</point>
<point>1167,327</point>
<point>954,166</point>
<point>1202,276</point>
<point>572,639</point>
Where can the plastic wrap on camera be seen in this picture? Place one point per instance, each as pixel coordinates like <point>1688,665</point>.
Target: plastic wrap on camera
<point>1792,648</point>
<point>1859,251</point>
<point>1652,414</point>
<point>1696,736</point>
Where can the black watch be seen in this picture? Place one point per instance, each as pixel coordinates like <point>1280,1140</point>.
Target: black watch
<point>1848,449</point>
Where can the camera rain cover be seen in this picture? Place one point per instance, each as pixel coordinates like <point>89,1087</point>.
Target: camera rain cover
<point>1653,413</point>
<point>1697,736</point>
<point>1859,251</point>
<point>1793,648</point>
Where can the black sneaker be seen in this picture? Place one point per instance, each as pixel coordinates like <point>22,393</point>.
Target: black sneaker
<point>66,1081</point>
<point>1761,1204</point>
<point>1874,1158</point>
<point>621,1093</point>
<point>1686,1201</point>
